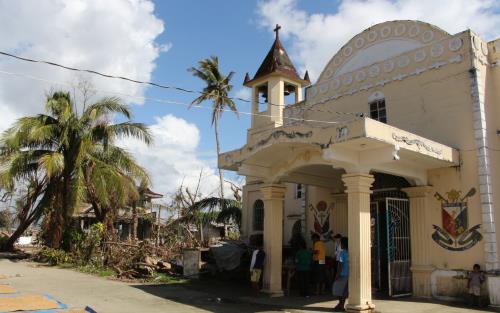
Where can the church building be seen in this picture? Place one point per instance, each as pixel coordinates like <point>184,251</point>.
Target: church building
<point>396,146</point>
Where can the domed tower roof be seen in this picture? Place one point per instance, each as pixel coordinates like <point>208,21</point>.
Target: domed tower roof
<point>278,61</point>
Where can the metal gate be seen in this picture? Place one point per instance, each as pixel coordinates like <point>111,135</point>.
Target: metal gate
<point>375,245</point>
<point>398,246</point>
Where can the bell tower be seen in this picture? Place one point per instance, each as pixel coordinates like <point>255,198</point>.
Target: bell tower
<point>273,84</point>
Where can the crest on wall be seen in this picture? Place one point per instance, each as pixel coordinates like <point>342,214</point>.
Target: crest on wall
<point>321,225</point>
<point>455,235</point>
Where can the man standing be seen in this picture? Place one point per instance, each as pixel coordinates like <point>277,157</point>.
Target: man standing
<point>303,259</point>
<point>256,267</point>
<point>319,263</point>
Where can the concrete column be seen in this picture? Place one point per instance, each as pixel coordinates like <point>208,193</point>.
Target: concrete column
<point>340,214</point>
<point>421,267</point>
<point>276,100</point>
<point>484,168</point>
<point>273,197</point>
<point>255,106</point>
<point>298,94</point>
<point>358,216</point>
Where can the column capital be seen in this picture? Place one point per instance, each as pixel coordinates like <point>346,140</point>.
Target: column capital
<point>417,191</point>
<point>358,182</point>
<point>273,191</point>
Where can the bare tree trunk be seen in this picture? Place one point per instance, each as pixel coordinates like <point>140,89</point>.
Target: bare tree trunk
<point>27,216</point>
<point>9,244</point>
<point>158,226</point>
<point>220,170</point>
<point>193,201</point>
<point>221,178</point>
<point>135,221</point>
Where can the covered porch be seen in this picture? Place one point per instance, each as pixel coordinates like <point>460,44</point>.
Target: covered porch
<point>343,158</point>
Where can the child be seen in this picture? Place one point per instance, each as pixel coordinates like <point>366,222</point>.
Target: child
<point>340,286</point>
<point>476,279</point>
<point>303,259</point>
<point>256,266</point>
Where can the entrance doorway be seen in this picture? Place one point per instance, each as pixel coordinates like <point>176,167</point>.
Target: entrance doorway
<point>390,242</point>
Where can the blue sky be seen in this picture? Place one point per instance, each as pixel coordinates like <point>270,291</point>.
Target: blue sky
<point>159,40</point>
<point>198,29</point>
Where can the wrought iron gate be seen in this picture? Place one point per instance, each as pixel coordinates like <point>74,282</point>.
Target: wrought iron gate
<point>375,245</point>
<point>398,246</point>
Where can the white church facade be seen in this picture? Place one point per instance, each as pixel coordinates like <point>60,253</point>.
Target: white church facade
<point>396,145</point>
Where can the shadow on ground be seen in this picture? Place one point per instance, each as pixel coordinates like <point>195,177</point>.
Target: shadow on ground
<point>229,296</point>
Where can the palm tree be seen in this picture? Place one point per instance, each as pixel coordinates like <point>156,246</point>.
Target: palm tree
<point>217,89</point>
<point>71,156</point>
<point>229,213</point>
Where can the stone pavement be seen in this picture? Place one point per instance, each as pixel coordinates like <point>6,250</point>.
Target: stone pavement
<point>110,296</point>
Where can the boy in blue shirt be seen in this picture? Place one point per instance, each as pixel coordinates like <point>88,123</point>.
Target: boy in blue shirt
<point>340,286</point>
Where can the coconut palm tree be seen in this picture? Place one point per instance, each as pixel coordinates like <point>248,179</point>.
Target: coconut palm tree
<point>229,213</point>
<point>216,90</point>
<point>72,157</point>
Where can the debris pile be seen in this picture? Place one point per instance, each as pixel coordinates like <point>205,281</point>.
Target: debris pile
<point>136,261</point>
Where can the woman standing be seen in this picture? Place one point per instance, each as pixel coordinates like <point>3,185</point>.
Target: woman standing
<point>340,287</point>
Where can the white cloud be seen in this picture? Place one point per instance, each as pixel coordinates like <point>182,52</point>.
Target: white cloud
<point>172,160</point>
<point>243,93</point>
<point>116,36</point>
<point>316,37</point>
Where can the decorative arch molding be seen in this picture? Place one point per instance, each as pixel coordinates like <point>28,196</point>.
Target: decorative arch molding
<point>377,95</point>
<point>381,42</point>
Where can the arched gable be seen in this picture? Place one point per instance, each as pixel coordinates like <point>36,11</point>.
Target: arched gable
<point>381,42</point>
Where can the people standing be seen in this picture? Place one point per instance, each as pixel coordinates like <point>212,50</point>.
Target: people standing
<point>476,279</point>
<point>319,271</point>
<point>256,267</point>
<point>336,250</point>
<point>303,260</point>
<point>340,287</point>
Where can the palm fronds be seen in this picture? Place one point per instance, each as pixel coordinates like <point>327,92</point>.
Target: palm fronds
<point>73,156</point>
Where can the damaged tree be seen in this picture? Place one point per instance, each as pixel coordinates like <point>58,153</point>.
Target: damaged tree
<point>67,152</point>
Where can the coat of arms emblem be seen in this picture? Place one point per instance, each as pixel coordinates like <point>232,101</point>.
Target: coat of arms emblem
<point>455,235</point>
<point>321,220</point>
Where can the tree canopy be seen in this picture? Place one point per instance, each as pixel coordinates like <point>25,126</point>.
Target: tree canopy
<point>72,158</point>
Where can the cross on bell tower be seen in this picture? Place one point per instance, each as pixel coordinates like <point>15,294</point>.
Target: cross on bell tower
<point>277,30</point>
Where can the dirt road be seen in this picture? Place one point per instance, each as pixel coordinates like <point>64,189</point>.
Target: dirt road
<point>107,296</point>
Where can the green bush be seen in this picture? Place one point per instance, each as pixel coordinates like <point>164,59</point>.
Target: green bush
<point>54,256</point>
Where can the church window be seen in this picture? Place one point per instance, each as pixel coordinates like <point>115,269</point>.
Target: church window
<point>378,111</point>
<point>299,191</point>
<point>258,215</point>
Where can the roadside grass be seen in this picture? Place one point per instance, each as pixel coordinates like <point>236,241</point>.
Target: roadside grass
<point>99,271</point>
<point>167,279</point>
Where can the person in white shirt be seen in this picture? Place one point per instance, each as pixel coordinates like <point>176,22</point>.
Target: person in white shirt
<point>337,250</point>
<point>256,266</point>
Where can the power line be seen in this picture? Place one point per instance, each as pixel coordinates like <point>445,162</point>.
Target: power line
<point>165,101</point>
<point>75,69</point>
